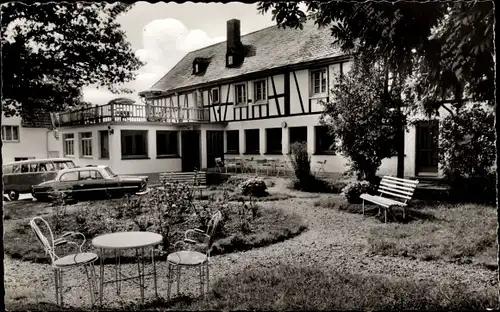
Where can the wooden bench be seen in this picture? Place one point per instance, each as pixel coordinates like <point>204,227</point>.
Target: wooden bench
<point>197,179</point>
<point>401,191</point>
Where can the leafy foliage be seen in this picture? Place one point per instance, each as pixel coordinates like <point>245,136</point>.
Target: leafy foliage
<point>364,118</point>
<point>253,186</point>
<point>467,152</point>
<point>55,49</point>
<point>301,162</point>
<point>353,190</point>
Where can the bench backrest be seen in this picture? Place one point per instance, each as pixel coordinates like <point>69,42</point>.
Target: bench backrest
<point>397,187</point>
<point>184,177</point>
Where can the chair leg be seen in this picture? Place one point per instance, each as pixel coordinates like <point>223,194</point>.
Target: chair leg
<point>91,288</point>
<point>178,279</point>
<point>208,277</point>
<point>56,281</point>
<point>201,280</point>
<point>61,290</point>
<point>169,280</point>
<point>363,205</point>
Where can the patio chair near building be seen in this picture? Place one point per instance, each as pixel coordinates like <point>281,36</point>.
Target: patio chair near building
<point>191,252</point>
<point>79,259</point>
<point>219,164</point>
<point>320,166</point>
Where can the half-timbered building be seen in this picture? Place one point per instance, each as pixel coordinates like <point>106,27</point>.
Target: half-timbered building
<point>251,96</point>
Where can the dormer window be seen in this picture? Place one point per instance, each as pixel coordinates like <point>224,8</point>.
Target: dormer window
<point>200,65</point>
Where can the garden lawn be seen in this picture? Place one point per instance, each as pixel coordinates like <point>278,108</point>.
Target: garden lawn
<point>270,226</point>
<point>462,233</point>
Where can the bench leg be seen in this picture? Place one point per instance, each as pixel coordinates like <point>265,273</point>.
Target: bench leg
<point>385,215</point>
<point>363,205</point>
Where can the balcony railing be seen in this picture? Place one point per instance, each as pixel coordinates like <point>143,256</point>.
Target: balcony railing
<point>133,113</point>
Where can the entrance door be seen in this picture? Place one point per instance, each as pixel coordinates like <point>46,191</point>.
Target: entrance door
<point>427,148</point>
<point>190,150</point>
<point>215,147</point>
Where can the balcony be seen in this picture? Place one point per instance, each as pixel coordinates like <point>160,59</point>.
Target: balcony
<point>132,113</point>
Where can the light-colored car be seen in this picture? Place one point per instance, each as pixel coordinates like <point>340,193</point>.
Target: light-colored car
<point>90,182</point>
<point>20,176</point>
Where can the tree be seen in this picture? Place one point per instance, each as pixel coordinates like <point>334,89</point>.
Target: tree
<point>50,51</point>
<point>448,38</point>
<point>362,118</point>
<point>446,46</point>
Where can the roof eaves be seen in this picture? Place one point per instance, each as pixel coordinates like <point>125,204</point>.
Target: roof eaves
<point>295,66</point>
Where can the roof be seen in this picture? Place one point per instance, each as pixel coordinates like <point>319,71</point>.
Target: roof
<point>274,47</point>
<point>42,120</point>
<point>37,160</point>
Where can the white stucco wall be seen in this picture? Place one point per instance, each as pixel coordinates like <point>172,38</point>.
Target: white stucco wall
<point>33,142</point>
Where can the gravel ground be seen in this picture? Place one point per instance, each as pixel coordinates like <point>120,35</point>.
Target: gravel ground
<point>335,240</point>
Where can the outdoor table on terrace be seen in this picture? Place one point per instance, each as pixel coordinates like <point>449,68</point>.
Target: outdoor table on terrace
<point>127,240</point>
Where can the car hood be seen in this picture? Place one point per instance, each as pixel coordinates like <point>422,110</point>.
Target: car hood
<point>132,178</point>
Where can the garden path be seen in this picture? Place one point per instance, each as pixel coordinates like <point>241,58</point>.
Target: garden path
<point>335,240</point>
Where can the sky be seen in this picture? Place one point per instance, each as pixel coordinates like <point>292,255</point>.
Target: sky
<point>162,33</point>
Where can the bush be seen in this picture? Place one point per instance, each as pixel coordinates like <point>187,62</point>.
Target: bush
<point>467,154</point>
<point>354,189</point>
<point>254,187</point>
<point>301,162</point>
<point>317,185</point>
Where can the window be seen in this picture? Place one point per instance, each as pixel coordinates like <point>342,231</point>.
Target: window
<point>104,144</point>
<point>86,144</point>
<point>324,140</point>
<point>134,143</point>
<point>252,141</point>
<point>259,89</point>
<point>240,94</point>
<point>229,60</point>
<point>22,158</point>
<point>318,81</point>
<point>273,144</point>
<point>69,176</point>
<point>298,134</point>
<point>69,144</point>
<point>167,143</point>
<point>10,133</point>
<point>233,141</point>
<point>215,96</point>
<point>90,175</point>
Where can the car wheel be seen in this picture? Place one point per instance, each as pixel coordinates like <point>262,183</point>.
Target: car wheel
<point>13,195</point>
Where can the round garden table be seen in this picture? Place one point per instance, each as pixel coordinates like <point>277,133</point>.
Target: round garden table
<point>127,240</point>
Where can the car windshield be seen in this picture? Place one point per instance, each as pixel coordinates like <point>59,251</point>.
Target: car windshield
<point>110,172</point>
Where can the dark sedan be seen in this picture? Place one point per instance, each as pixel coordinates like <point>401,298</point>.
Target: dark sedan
<point>90,182</point>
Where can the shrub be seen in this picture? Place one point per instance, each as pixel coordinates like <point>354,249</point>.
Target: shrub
<point>354,189</point>
<point>317,185</point>
<point>301,162</point>
<point>253,186</point>
<point>467,154</point>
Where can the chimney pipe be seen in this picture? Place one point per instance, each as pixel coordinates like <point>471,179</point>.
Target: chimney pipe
<point>233,34</point>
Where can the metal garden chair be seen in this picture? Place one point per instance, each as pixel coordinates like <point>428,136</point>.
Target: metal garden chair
<point>85,259</point>
<point>195,252</point>
<point>219,164</point>
<point>320,166</point>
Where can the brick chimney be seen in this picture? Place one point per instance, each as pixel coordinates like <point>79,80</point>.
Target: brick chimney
<point>235,49</point>
<point>233,35</point>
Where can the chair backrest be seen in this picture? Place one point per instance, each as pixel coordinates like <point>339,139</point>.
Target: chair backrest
<point>48,245</point>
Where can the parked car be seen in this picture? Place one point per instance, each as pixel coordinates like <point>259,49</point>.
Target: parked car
<point>20,176</point>
<point>96,181</point>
